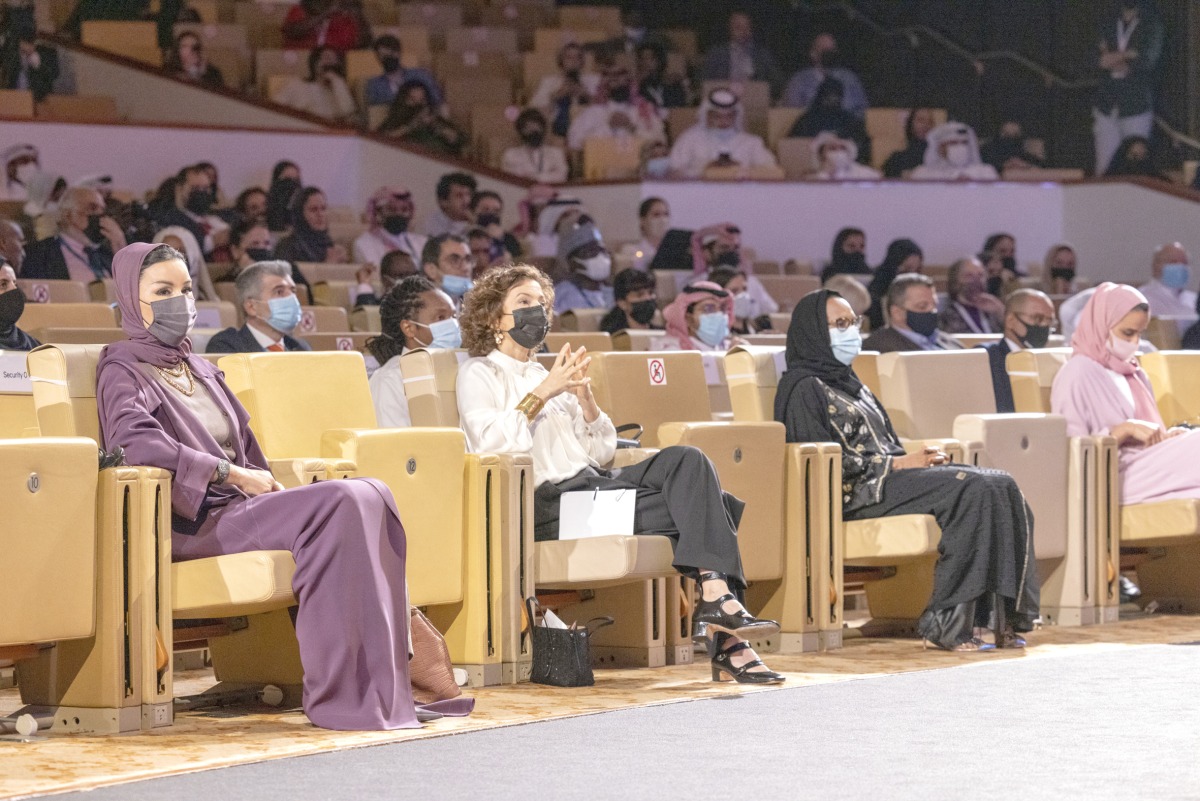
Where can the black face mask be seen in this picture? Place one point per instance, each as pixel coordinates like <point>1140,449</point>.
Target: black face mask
<point>395,224</point>
<point>530,326</point>
<point>852,262</point>
<point>259,254</point>
<point>12,306</point>
<point>1062,273</point>
<point>199,201</point>
<point>92,230</point>
<point>829,59</point>
<point>995,285</point>
<point>729,258</point>
<point>923,323</point>
<point>1009,263</point>
<point>572,75</point>
<point>619,93</point>
<point>643,311</point>
<point>390,63</point>
<point>1036,336</point>
<point>534,137</point>
<point>484,220</point>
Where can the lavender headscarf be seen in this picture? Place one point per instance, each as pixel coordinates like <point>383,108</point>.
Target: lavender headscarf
<point>141,346</point>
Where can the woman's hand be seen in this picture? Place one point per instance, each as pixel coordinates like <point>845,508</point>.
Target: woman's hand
<point>252,482</point>
<point>1176,431</point>
<point>931,456</point>
<point>337,254</point>
<point>365,273</point>
<point>565,374</point>
<point>1139,432</point>
<point>583,392</point>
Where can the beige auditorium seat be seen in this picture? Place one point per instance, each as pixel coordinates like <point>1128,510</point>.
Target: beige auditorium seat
<point>366,319</point>
<point>80,108</point>
<point>975,340</point>
<point>585,320</point>
<point>786,290</point>
<point>442,494</point>
<point>1175,376</point>
<point>796,157</point>
<point>1166,332</point>
<point>611,158</point>
<point>55,291</point>
<point>322,319</point>
<point>18,418</point>
<point>55,335</point>
<point>16,103</point>
<point>67,315</point>
<point>607,566</point>
<point>600,17</point>
<point>594,341</point>
<point>779,124</point>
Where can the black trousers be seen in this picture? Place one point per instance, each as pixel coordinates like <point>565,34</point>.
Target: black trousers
<point>678,496</point>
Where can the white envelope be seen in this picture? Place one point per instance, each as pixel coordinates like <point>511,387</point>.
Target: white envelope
<point>596,513</point>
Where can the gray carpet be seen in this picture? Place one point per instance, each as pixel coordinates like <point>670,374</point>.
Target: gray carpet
<point>1122,725</point>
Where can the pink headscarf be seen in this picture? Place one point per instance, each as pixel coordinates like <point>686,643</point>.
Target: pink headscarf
<point>675,314</point>
<point>1107,305</point>
<point>382,195</point>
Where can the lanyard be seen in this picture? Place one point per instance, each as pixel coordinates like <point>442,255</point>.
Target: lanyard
<point>983,327</point>
<point>1124,34</point>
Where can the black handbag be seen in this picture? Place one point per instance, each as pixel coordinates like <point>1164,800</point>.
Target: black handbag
<point>561,657</point>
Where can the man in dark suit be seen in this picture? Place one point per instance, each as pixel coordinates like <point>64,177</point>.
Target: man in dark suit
<point>267,295</point>
<point>742,59</point>
<point>83,248</point>
<point>30,66</point>
<point>1028,321</point>
<point>912,318</point>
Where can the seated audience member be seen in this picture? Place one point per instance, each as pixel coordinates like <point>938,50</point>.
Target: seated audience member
<point>826,114</point>
<point>324,93</point>
<point>558,96</point>
<point>742,59</point>
<point>389,216</point>
<point>636,303</point>
<point>720,245</point>
<point>1133,158</point>
<point>701,318</point>
<point>181,239</point>
<point>987,529</point>
<point>336,24</point>
<point>193,210</point>
<point>309,239</point>
<point>654,220</point>
<point>1010,149</point>
<point>533,158</point>
<point>1004,247</point>
<point>413,314</point>
<point>487,210</point>
<point>21,163</point>
<point>615,112</point>
<point>250,242</point>
<point>83,248</point>
<point>267,296</point>
<point>29,66</point>
<point>220,202</point>
<point>508,403</point>
<point>446,262</point>
<point>1191,337</point>
<point>848,256</point>
<point>825,62</point>
<point>251,205</point>
<point>382,89</point>
<point>413,119</point>
<point>718,139</point>
<point>1071,310</point>
<point>918,125</point>
<point>285,183</point>
<point>1028,323</point>
<point>587,264</point>
<point>453,214</point>
<point>903,256</point>
<point>188,62</point>
<point>1060,269</point>
<point>169,408</point>
<point>912,318</point>
<point>12,306</point>
<point>852,291</point>
<point>482,259</point>
<point>654,84</point>
<point>12,244</point>
<point>836,160</point>
<point>953,155</point>
<point>747,317</point>
<point>1167,291</point>
<point>971,309</point>
<point>394,268</point>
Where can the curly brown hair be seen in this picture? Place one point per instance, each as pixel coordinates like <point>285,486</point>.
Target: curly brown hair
<point>484,304</point>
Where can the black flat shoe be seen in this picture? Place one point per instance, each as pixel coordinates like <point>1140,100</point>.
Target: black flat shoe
<point>709,618</point>
<point>722,667</point>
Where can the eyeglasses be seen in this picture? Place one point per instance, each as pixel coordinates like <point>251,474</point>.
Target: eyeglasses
<point>844,324</point>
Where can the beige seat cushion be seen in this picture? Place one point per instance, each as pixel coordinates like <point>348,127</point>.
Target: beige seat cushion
<point>885,541</point>
<point>1160,523</point>
<point>233,584</point>
<point>603,561</point>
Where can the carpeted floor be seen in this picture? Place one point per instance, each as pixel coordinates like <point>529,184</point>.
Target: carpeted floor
<point>1057,659</point>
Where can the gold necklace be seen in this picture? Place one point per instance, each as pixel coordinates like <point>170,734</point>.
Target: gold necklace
<point>181,371</point>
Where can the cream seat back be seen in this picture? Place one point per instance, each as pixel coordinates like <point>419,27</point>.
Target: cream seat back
<point>586,320</point>
<point>786,290</point>
<point>924,391</point>
<point>1175,376</point>
<point>18,419</point>
<point>1031,373</point>
<point>594,341</point>
<point>67,315</point>
<point>55,291</point>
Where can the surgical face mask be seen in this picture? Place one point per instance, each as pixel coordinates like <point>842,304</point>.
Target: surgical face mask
<point>1176,276</point>
<point>923,323</point>
<point>92,230</point>
<point>12,306</point>
<point>26,171</point>
<point>199,201</point>
<point>456,285</point>
<point>657,227</point>
<point>1123,349</point>
<point>598,267</point>
<point>395,224</point>
<point>530,326</point>
<point>743,305</point>
<point>642,311</point>
<point>845,344</point>
<point>390,63</point>
<point>839,159</point>
<point>713,328</point>
<point>259,254</point>
<point>723,134</point>
<point>173,319</point>
<point>657,167</point>
<point>446,333</point>
<point>285,314</point>
<point>959,155</point>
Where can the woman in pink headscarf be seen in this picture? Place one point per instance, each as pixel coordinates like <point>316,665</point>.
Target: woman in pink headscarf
<point>1102,391</point>
<point>700,317</point>
<point>389,214</point>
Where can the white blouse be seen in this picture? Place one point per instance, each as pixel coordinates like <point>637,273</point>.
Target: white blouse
<point>559,439</point>
<point>387,393</point>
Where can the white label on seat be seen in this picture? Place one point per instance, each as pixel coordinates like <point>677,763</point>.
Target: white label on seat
<point>208,318</point>
<point>14,373</point>
<point>712,371</point>
<point>658,372</point>
<point>780,363</point>
<point>344,343</point>
<point>596,513</point>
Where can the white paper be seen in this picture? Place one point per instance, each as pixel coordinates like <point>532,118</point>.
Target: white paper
<point>14,375</point>
<point>712,370</point>
<point>780,363</point>
<point>552,621</point>
<point>596,513</point>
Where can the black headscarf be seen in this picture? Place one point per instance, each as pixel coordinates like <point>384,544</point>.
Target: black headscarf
<point>808,350</point>
<point>842,263</point>
<point>885,274</point>
<point>312,244</point>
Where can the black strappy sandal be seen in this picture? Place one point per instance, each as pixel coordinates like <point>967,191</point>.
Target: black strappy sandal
<point>722,665</point>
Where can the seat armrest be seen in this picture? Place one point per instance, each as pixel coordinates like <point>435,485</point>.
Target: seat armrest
<point>299,472</point>
<point>957,450</point>
<point>624,457</point>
